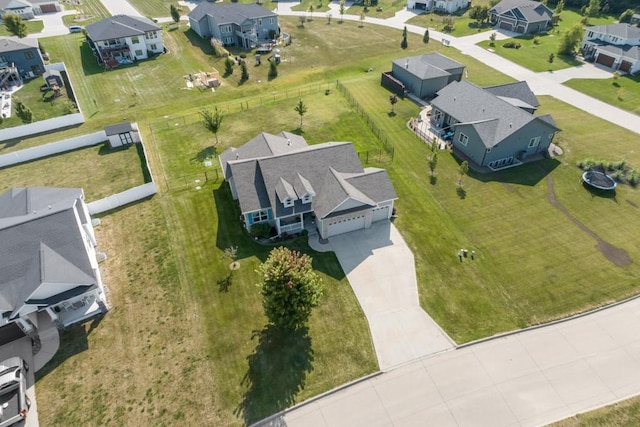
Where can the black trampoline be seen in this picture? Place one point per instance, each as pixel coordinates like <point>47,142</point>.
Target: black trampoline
<point>599,180</point>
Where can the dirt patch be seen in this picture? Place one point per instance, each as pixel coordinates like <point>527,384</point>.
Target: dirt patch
<point>617,256</point>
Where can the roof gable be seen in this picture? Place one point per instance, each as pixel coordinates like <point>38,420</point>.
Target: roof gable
<point>429,65</point>
<point>528,10</point>
<point>233,13</point>
<point>120,26</point>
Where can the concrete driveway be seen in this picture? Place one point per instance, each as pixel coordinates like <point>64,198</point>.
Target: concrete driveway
<point>381,270</point>
<point>53,25</point>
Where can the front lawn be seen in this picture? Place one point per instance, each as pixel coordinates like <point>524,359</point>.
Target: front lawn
<point>622,92</point>
<point>535,49</point>
<point>621,414</point>
<point>33,26</point>
<point>87,12</point>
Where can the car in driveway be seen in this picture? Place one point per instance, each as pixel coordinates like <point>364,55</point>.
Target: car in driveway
<point>75,29</point>
<point>14,403</point>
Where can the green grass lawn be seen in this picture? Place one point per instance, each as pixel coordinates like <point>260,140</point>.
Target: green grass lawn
<point>44,105</point>
<point>566,275</point>
<point>622,414</point>
<point>88,12</point>
<point>160,8</point>
<point>111,171</point>
<point>535,50</point>
<point>33,26</point>
<point>623,92</point>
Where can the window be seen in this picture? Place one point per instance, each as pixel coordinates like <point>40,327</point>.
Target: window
<point>272,20</point>
<point>3,60</point>
<point>260,216</point>
<point>125,138</point>
<point>135,39</point>
<point>228,40</point>
<point>590,34</point>
<point>533,142</point>
<point>288,202</point>
<point>138,52</point>
<point>225,29</point>
<point>463,139</point>
<point>150,35</point>
<point>259,21</point>
<point>153,47</point>
<point>28,55</point>
<point>437,115</point>
<point>306,198</point>
<point>36,69</point>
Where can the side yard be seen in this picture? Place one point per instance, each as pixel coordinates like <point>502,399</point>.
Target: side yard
<point>623,91</point>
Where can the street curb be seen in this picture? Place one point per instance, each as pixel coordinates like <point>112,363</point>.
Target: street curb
<point>267,421</point>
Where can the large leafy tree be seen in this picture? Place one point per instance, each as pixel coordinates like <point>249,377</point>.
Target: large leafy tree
<point>290,288</point>
<point>570,40</point>
<point>479,14</point>
<point>15,24</point>
<point>175,13</point>
<point>212,120</point>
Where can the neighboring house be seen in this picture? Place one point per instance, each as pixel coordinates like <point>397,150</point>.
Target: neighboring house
<point>635,19</point>
<point>424,75</point>
<point>282,181</point>
<point>616,46</point>
<point>47,258</point>
<point>235,24</point>
<point>521,16</point>
<point>449,6</point>
<point>19,59</point>
<point>492,127</point>
<point>27,9</point>
<point>122,39</point>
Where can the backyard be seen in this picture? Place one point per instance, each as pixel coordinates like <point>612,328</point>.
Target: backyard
<point>33,26</point>
<point>183,325</point>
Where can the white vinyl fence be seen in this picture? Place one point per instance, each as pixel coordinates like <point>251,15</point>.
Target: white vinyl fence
<point>124,198</point>
<point>33,153</point>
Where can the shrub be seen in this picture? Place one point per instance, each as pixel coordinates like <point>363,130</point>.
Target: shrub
<point>218,48</point>
<point>633,177</point>
<point>262,229</point>
<point>536,40</point>
<point>512,45</point>
<point>243,55</point>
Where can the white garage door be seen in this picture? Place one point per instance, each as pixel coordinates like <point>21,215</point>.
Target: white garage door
<point>380,213</point>
<point>345,225</point>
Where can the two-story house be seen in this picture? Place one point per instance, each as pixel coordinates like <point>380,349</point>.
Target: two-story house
<point>448,6</point>
<point>19,59</point>
<point>615,45</point>
<point>244,25</point>
<point>48,261</point>
<point>122,39</point>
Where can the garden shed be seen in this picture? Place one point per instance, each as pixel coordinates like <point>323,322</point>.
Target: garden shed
<point>122,134</point>
<point>53,78</point>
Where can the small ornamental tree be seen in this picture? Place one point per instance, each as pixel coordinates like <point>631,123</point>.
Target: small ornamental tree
<point>15,25</point>
<point>362,18</point>
<point>228,66</point>
<point>212,121</point>
<point>464,169</point>
<point>403,43</point>
<point>433,162</point>
<point>625,17</point>
<point>273,70</point>
<point>425,38</point>
<point>393,100</point>
<point>244,76</point>
<point>175,14</point>
<point>290,288</point>
<point>559,8</point>
<point>301,109</point>
<point>341,11</point>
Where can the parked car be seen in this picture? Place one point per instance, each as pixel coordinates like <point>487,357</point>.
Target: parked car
<point>75,29</point>
<point>14,403</point>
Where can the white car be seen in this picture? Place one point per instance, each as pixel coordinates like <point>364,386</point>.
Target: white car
<point>14,403</point>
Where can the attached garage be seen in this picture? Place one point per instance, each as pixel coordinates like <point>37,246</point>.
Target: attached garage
<point>605,60</point>
<point>625,66</point>
<point>381,213</point>
<point>521,29</point>
<point>48,8</point>
<point>506,26</point>
<point>345,225</point>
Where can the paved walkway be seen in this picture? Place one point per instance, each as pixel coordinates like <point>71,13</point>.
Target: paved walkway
<point>527,379</point>
<point>381,270</point>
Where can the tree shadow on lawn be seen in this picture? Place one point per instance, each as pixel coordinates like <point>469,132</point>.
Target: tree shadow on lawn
<point>204,154</point>
<point>89,61</point>
<point>277,372</point>
<point>198,42</point>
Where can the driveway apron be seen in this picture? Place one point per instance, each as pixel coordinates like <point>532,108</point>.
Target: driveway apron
<point>381,270</point>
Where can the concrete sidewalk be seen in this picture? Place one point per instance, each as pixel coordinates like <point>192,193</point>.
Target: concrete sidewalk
<point>531,378</point>
<point>381,270</point>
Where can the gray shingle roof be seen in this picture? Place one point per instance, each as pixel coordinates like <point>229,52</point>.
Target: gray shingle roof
<point>330,171</point>
<point>623,31</point>
<point>493,118</point>
<point>234,13</point>
<point>5,3</point>
<point>120,26</point>
<point>517,90</point>
<point>117,129</point>
<point>531,11</point>
<point>429,65</point>
<point>630,52</point>
<point>39,244</point>
<point>262,145</point>
<point>11,44</point>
